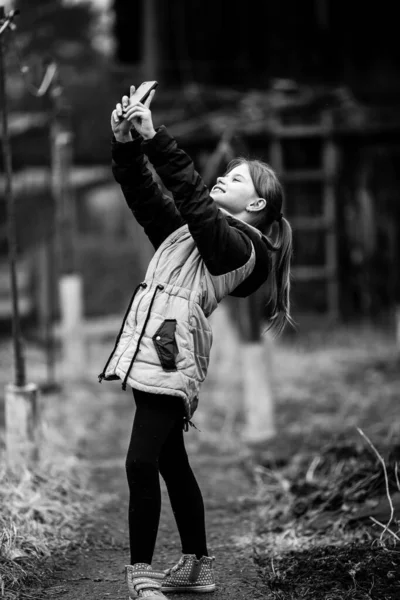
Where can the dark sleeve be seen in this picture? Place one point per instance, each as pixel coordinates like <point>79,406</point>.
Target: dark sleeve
<point>153,209</point>
<point>257,277</point>
<point>222,247</point>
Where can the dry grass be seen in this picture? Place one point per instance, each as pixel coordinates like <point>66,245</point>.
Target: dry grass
<point>42,507</point>
<point>328,495</point>
<point>41,515</point>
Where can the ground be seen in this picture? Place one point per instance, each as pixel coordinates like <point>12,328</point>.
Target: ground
<point>288,520</point>
<point>98,570</point>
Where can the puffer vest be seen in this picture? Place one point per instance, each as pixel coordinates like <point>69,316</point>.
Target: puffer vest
<point>164,343</point>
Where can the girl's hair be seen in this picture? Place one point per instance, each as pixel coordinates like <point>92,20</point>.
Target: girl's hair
<point>267,186</point>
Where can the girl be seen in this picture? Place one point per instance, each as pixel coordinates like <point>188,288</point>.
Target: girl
<point>208,244</point>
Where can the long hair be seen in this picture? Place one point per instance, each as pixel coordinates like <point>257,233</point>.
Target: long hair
<point>268,186</point>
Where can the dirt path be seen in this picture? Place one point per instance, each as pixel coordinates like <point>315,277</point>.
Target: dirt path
<point>97,569</point>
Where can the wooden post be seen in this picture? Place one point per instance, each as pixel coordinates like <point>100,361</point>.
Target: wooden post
<point>397,324</point>
<point>45,278</point>
<point>329,165</point>
<point>21,399</point>
<point>22,419</point>
<point>393,231</point>
<point>70,281</point>
<point>275,145</point>
<point>326,221</point>
<point>150,47</point>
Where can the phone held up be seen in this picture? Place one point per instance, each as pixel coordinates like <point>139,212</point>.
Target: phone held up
<point>143,92</point>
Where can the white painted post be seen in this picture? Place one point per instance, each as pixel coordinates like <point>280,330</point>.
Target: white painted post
<point>71,309</point>
<point>256,352</point>
<point>22,419</point>
<point>224,373</point>
<point>257,388</point>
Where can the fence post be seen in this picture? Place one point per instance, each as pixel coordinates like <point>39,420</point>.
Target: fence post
<point>45,297</point>
<point>70,281</point>
<point>256,353</point>
<point>22,418</point>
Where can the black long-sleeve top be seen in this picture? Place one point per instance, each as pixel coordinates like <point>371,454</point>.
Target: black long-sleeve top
<point>224,242</point>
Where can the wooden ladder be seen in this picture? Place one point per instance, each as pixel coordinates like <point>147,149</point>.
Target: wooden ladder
<point>326,220</point>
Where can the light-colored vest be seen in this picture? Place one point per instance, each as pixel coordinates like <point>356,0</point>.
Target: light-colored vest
<point>165,340</point>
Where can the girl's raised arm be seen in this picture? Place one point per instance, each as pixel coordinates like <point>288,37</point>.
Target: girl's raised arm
<point>222,247</point>
<point>153,209</point>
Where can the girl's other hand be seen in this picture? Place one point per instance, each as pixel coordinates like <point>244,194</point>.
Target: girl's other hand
<point>139,115</point>
<point>119,124</point>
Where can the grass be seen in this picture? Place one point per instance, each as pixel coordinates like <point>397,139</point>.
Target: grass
<point>41,515</point>
<point>43,505</point>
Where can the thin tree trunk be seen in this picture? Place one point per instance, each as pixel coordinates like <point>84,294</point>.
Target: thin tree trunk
<point>19,362</point>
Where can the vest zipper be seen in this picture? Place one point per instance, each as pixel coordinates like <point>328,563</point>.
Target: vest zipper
<point>103,373</point>
<point>159,287</point>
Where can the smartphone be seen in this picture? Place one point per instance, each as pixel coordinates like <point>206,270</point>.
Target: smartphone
<point>143,91</point>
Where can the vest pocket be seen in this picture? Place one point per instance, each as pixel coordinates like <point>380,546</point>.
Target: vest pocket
<point>165,344</point>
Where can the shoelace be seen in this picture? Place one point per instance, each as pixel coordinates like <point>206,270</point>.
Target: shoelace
<point>175,568</point>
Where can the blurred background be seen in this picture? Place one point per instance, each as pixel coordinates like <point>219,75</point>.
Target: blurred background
<point>312,87</point>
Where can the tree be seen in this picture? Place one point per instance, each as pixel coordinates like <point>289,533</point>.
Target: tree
<point>53,28</point>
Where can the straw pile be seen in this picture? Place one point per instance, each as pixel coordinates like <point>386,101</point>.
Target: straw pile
<point>329,524</point>
<point>328,489</point>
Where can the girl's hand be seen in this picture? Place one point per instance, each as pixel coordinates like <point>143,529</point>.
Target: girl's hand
<point>140,116</point>
<point>119,124</point>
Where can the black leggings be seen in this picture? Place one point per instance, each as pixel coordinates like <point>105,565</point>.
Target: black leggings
<point>157,446</point>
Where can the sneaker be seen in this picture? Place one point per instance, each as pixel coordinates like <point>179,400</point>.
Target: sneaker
<point>144,582</point>
<point>190,575</point>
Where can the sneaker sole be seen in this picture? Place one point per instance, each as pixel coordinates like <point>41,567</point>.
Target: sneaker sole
<point>201,589</point>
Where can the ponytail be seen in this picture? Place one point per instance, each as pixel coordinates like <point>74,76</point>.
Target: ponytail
<point>279,279</point>
<point>268,186</point>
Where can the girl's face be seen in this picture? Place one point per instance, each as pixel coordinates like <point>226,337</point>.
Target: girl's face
<point>235,190</point>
